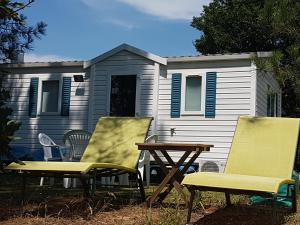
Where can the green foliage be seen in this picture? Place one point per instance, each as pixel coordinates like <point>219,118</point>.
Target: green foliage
<point>7,126</point>
<point>15,37</point>
<point>15,34</point>
<point>234,26</point>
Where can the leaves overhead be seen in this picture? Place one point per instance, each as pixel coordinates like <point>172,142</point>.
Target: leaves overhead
<point>16,36</point>
<point>234,26</point>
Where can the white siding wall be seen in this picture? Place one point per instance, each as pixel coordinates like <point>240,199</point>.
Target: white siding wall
<point>232,100</point>
<point>122,63</point>
<point>263,80</point>
<point>55,125</point>
<point>235,87</point>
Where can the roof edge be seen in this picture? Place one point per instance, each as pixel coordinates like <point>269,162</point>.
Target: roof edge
<point>42,64</point>
<point>220,57</point>
<point>129,48</point>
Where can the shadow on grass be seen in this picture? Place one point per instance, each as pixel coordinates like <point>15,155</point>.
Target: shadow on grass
<point>56,201</point>
<point>242,215</point>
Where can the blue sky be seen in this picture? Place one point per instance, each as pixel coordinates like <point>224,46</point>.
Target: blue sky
<point>83,29</point>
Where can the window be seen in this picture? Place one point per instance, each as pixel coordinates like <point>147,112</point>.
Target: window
<point>50,93</point>
<point>123,95</point>
<point>49,97</point>
<point>272,99</point>
<point>194,94</point>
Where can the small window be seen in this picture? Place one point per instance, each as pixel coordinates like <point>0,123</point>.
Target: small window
<point>50,96</point>
<point>193,91</point>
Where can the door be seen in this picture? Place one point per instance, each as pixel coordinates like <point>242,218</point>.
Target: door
<point>123,95</point>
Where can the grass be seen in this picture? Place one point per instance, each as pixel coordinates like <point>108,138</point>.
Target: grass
<point>56,205</point>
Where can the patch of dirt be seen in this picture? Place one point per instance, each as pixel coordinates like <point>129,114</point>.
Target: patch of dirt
<point>77,211</point>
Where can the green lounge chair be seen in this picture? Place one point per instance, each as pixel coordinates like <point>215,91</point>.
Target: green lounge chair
<point>111,151</point>
<point>261,159</point>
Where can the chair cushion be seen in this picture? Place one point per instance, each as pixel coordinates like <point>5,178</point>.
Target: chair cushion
<point>113,141</point>
<point>264,146</point>
<point>63,167</point>
<point>235,181</point>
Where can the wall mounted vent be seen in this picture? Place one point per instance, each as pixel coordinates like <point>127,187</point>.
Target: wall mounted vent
<point>212,166</point>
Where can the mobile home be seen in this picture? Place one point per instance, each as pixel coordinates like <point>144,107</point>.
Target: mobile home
<point>195,99</point>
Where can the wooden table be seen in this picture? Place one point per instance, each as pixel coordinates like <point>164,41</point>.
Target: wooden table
<point>175,175</point>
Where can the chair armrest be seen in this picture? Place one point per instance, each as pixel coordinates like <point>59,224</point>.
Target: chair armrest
<point>153,137</point>
<point>57,146</point>
<point>145,154</point>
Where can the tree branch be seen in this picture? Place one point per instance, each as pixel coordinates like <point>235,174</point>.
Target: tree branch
<point>24,6</point>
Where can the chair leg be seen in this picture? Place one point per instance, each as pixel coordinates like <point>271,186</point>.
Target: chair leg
<point>93,183</point>
<point>190,206</point>
<point>51,181</point>
<point>42,181</point>
<point>123,179</point>
<point>74,180</point>
<point>67,182</point>
<point>274,212</point>
<point>141,186</point>
<point>228,201</point>
<point>24,182</point>
<point>85,186</point>
<point>107,180</point>
<point>147,171</point>
<point>294,200</point>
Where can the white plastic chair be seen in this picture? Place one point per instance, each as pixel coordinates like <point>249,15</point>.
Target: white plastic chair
<point>144,160</point>
<point>48,144</point>
<point>76,140</point>
<point>143,165</point>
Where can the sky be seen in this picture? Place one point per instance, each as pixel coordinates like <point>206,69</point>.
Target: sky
<point>84,29</point>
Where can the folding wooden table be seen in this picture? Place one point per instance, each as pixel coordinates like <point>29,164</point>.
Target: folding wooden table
<point>176,174</point>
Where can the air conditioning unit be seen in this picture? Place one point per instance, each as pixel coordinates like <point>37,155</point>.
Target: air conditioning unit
<point>217,166</point>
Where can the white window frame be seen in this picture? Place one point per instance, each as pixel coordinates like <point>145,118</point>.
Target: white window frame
<point>203,94</point>
<point>50,77</point>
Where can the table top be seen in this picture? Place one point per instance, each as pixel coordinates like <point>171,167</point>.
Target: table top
<point>173,146</point>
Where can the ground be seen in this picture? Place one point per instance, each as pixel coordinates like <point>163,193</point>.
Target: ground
<point>53,205</point>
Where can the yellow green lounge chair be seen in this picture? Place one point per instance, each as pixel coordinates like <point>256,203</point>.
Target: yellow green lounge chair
<point>261,159</point>
<point>111,151</point>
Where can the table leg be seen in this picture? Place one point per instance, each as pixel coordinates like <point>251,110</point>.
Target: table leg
<point>174,177</point>
<point>156,193</point>
<point>185,168</point>
<point>192,159</point>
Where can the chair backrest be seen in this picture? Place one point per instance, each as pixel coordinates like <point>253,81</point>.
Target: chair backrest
<point>46,142</point>
<point>77,140</point>
<point>113,141</point>
<point>264,146</point>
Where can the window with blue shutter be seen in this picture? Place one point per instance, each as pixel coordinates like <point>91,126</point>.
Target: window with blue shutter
<point>49,97</point>
<point>66,96</point>
<point>210,99</point>
<point>33,97</point>
<point>176,95</point>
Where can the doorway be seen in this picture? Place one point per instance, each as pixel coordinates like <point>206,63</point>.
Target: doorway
<point>123,95</point>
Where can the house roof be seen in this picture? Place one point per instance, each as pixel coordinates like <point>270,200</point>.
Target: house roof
<point>128,48</point>
<point>218,57</point>
<point>42,64</point>
<point>150,56</point>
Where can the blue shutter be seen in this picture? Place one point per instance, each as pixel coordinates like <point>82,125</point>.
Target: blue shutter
<point>176,95</point>
<point>210,103</point>
<point>33,97</point>
<point>66,95</point>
